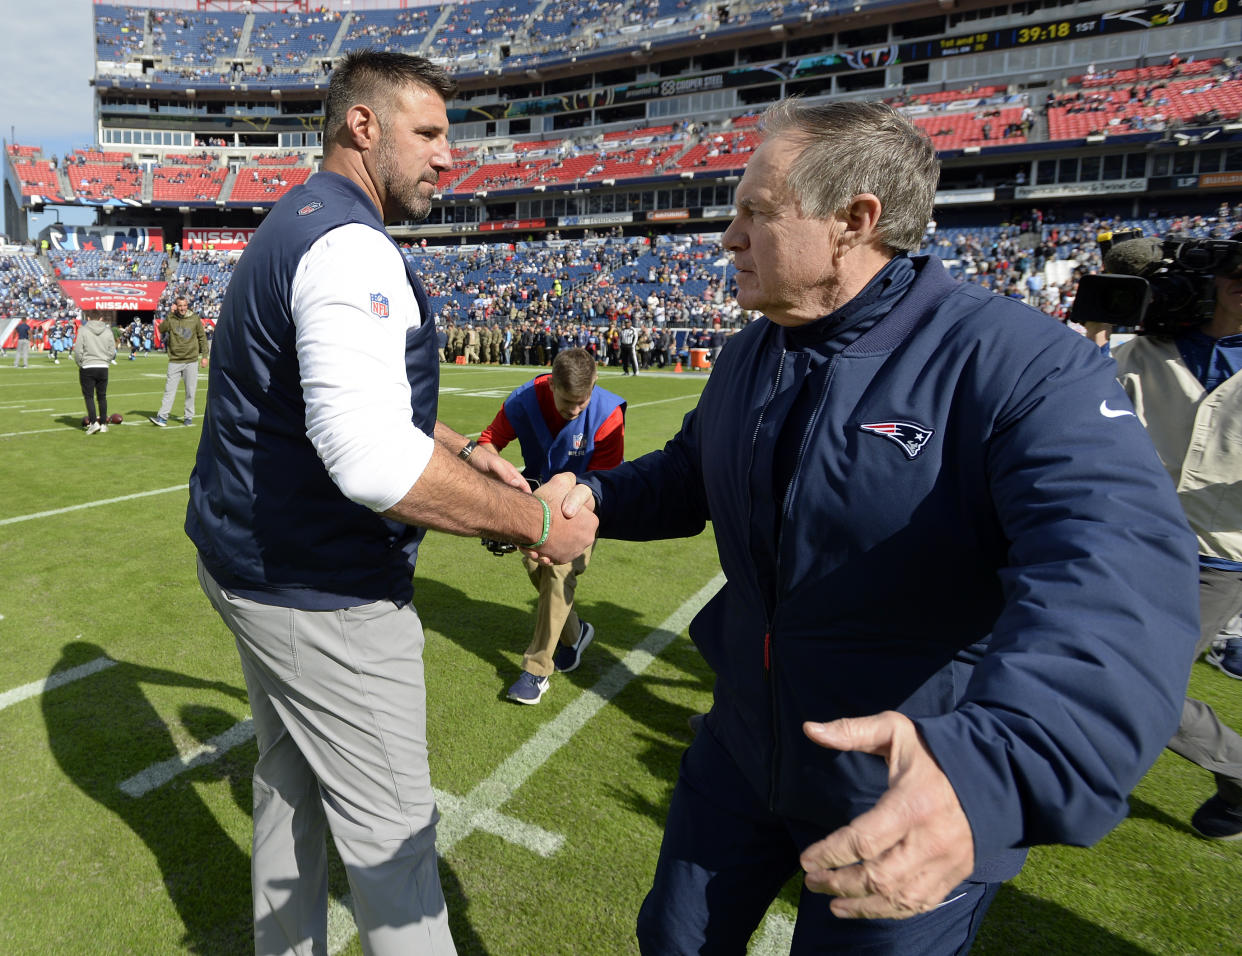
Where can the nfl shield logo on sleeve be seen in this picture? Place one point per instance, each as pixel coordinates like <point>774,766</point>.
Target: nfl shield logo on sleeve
<point>379,305</point>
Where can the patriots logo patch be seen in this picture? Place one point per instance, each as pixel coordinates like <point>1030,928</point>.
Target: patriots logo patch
<point>379,305</point>
<point>310,207</point>
<point>911,437</point>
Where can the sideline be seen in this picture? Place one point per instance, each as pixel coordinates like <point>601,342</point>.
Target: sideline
<point>91,504</point>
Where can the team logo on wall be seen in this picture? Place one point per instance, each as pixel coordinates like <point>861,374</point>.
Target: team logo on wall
<point>873,58</point>
<point>911,437</point>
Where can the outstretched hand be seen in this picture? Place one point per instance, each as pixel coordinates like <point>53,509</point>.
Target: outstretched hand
<point>569,536</point>
<point>904,855</point>
<point>488,461</point>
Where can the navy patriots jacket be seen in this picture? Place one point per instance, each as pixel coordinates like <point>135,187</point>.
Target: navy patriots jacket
<point>964,538</point>
<point>268,521</point>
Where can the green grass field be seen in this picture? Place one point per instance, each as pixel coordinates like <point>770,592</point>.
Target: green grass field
<point>125,752</point>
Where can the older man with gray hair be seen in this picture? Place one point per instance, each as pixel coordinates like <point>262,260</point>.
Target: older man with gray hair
<point>960,601</point>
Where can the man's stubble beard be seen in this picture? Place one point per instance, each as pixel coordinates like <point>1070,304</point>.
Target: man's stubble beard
<point>399,188</point>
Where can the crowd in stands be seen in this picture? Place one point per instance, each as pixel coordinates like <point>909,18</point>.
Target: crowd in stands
<point>28,289</point>
<point>1128,101</point>
<point>394,30</point>
<point>202,277</point>
<point>563,287</point>
<point>1147,100</point>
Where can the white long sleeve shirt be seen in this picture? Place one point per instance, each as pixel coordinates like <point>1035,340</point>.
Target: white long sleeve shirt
<point>352,307</point>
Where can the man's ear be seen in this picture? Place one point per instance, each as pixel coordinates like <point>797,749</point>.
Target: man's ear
<point>362,126</point>
<point>861,219</point>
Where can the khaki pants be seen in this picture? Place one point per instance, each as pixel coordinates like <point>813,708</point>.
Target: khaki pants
<point>556,621</point>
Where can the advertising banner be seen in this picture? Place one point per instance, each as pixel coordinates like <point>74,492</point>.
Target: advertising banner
<point>114,294</point>
<point>224,240</point>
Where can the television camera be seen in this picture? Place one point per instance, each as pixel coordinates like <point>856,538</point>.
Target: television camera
<point>1155,286</point>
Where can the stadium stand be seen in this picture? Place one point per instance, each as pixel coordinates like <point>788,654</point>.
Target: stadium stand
<point>100,264</point>
<point>650,129</point>
<point>393,30</point>
<point>195,39</point>
<point>101,176</point>
<point>263,184</point>
<point>187,184</point>
<point>39,181</point>
<point>120,32</point>
<point>290,39</point>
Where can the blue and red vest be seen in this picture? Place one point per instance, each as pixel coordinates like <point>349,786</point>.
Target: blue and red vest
<point>570,449</point>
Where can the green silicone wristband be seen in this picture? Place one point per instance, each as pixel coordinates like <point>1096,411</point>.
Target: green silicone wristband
<point>547,526</point>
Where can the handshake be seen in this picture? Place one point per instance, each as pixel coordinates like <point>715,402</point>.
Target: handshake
<point>569,529</point>
<point>501,548</point>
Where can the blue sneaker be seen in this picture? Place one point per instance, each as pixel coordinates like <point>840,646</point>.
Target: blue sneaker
<point>156,420</point>
<point>188,421</point>
<point>569,656</point>
<point>528,688</point>
<point>1227,657</point>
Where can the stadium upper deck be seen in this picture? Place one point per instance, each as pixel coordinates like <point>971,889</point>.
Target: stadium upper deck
<point>640,111</point>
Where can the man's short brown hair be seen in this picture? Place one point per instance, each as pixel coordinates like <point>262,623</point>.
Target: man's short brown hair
<point>372,76</point>
<point>573,372</point>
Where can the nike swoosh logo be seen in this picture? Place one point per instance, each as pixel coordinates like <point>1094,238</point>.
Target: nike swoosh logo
<point>1112,412</point>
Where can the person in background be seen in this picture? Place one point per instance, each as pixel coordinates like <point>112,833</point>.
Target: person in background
<point>565,423</point>
<point>186,342</point>
<point>21,358</point>
<point>94,350</point>
<point>1186,389</point>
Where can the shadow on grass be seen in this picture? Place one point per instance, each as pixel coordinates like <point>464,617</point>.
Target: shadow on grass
<point>1142,810</point>
<point>206,876</point>
<point>1018,924</point>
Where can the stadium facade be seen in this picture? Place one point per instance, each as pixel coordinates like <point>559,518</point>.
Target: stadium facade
<point>640,116</point>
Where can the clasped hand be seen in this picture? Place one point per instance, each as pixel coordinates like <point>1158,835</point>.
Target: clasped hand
<point>569,536</point>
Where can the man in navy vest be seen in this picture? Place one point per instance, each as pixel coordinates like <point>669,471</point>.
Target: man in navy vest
<point>565,423</point>
<point>320,466</point>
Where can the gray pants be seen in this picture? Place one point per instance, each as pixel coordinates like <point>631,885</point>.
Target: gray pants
<point>180,372</point>
<point>338,699</point>
<point>1202,738</point>
<point>22,358</point>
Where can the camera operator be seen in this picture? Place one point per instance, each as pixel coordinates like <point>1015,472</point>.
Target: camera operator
<point>1187,391</point>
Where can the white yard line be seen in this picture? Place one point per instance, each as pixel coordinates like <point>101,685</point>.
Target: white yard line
<point>91,504</point>
<point>774,938</point>
<point>480,809</point>
<point>37,431</point>
<point>52,681</point>
<point>211,750</point>
<point>489,795</point>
